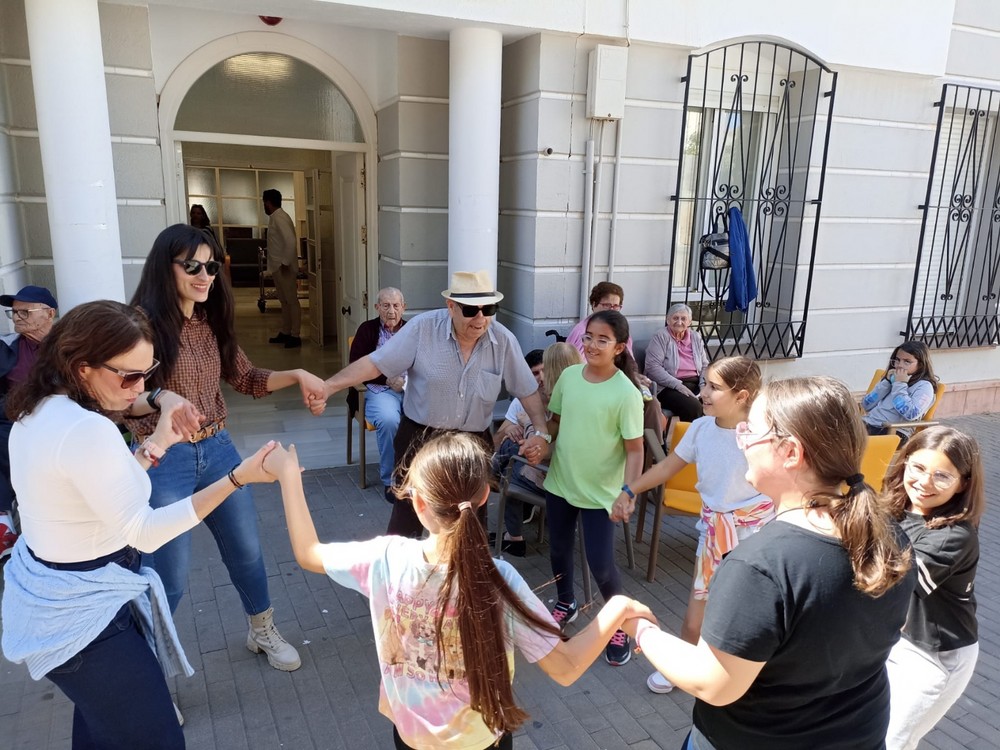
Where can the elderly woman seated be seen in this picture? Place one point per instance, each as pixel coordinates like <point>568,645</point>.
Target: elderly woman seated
<point>676,361</point>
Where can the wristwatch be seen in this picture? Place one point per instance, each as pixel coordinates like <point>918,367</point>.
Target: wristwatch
<point>628,491</point>
<point>151,398</point>
<point>543,435</point>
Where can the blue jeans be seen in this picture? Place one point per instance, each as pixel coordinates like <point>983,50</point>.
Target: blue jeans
<point>598,538</point>
<point>120,697</point>
<point>384,411</point>
<point>185,469</point>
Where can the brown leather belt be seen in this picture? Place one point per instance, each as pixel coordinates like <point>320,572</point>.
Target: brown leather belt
<point>208,431</point>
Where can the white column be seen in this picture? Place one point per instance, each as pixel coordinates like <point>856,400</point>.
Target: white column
<point>71,103</point>
<point>475,57</point>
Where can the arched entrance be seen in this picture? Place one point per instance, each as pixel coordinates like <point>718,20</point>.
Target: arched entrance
<point>258,108</point>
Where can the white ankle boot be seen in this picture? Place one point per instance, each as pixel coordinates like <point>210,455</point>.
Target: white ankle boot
<point>264,636</point>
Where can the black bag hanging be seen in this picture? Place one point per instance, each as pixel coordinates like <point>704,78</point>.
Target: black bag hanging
<point>715,247</point>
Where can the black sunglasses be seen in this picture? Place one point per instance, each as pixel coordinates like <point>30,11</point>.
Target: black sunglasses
<point>193,267</point>
<point>471,311</point>
<point>131,377</point>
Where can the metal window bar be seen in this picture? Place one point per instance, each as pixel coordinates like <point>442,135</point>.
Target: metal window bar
<point>956,281</point>
<point>761,105</point>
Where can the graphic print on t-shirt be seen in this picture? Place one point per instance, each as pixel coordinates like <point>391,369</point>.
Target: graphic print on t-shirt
<point>409,644</point>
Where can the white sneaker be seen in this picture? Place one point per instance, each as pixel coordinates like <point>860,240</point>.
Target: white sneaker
<point>659,684</point>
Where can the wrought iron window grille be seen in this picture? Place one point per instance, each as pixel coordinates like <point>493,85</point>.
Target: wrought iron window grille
<point>756,125</point>
<point>953,303</point>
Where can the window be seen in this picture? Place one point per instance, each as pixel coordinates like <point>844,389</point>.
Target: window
<point>955,283</point>
<point>756,125</point>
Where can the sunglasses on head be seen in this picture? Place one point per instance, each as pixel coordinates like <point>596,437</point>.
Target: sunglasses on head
<point>131,377</point>
<point>193,267</point>
<point>471,311</point>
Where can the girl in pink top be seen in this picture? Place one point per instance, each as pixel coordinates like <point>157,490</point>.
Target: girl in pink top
<point>446,616</point>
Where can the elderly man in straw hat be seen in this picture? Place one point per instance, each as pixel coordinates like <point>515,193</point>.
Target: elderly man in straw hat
<point>456,360</point>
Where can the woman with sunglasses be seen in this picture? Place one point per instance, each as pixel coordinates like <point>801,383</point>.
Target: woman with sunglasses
<point>191,303</point>
<point>803,613</point>
<point>936,486</point>
<point>77,607</point>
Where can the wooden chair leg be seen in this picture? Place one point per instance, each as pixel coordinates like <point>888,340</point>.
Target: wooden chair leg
<point>363,480</point>
<point>350,434</point>
<point>654,542</point>
<point>501,507</point>
<point>640,522</point>
<point>629,549</point>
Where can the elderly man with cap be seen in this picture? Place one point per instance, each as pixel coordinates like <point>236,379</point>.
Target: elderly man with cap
<point>33,310</point>
<point>456,360</point>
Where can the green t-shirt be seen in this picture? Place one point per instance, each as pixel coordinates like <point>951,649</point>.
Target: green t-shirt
<point>588,464</point>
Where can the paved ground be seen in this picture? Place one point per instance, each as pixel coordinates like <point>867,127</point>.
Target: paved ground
<point>235,700</point>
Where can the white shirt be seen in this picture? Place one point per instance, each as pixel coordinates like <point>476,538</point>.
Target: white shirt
<point>721,465</point>
<point>281,241</point>
<point>80,491</point>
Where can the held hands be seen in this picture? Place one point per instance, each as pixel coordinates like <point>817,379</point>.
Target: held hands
<point>632,622</point>
<point>314,393</point>
<point>251,470</point>
<point>279,462</point>
<point>177,415</point>
<point>622,508</point>
<point>534,449</point>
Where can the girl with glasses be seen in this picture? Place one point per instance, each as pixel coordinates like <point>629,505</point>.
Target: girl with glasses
<point>803,613</point>
<point>904,394</point>
<point>596,428</point>
<point>77,606</point>
<point>936,486</point>
<point>445,616</point>
<point>732,510</point>
<point>183,291</point>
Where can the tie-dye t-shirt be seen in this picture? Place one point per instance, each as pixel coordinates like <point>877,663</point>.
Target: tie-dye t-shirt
<point>402,589</point>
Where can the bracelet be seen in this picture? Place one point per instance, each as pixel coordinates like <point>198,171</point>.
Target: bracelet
<point>628,491</point>
<point>151,398</point>
<point>233,479</point>
<point>152,452</point>
<point>643,628</point>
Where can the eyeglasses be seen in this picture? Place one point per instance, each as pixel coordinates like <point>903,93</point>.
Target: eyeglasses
<point>24,313</point>
<point>941,480</point>
<point>607,306</point>
<point>131,377</point>
<point>193,267</point>
<point>747,439</point>
<point>471,311</point>
<point>589,340</point>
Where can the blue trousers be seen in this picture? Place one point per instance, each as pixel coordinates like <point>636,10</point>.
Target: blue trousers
<point>185,469</point>
<point>598,538</point>
<point>120,697</point>
<point>384,410</point>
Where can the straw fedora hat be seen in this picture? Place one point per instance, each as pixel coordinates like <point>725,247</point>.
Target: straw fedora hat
<point>472,288</point>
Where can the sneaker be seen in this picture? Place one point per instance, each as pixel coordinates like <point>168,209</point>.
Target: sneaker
<point>618,651</point>
<point>657,683</point>
<point>564,614</point>
<point>7,540</point>
<point>390,496</point>
<point>279,339</point>
<point>513,547</point>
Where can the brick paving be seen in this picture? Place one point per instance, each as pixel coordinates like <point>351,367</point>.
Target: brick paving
<point>235,700</point>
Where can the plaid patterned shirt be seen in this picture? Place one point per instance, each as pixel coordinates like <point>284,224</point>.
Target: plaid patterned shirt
<point>197,374</point>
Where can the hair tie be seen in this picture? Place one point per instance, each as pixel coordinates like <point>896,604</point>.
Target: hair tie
<point>854,480</point>
<point>464,505</point>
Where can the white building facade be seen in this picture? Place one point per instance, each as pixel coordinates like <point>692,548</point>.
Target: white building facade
<point>858,139</point>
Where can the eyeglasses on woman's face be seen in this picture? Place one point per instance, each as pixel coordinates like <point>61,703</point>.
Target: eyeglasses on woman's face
<point>609,303</point>
<point>193,267</point>
<point>941,480</point>
<point>597,342</point>
<point>746,437</point>
<point>131,377</point>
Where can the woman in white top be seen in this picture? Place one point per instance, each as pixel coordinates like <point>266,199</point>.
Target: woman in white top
<point>74,589</point>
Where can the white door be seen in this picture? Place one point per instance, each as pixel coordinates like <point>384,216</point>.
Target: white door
<point>351,247</point>
<point>319,238</point>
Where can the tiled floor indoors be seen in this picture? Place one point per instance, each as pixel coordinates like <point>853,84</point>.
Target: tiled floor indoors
<point>236,701</point>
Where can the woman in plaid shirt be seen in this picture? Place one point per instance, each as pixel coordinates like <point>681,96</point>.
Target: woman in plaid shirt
<point>191,306</point>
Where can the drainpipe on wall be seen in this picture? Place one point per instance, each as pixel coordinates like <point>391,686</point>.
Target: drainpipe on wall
<point>588,210</point>
<point>615,183</point>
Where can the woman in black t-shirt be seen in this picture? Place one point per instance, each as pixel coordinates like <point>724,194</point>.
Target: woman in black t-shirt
<point>936,487</point>
<point>803,614</point>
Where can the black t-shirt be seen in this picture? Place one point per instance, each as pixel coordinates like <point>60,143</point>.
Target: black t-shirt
<point>786,597</point>
<point>942,612</point>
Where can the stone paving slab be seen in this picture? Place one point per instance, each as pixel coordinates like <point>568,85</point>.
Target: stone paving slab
<point>235,700</point>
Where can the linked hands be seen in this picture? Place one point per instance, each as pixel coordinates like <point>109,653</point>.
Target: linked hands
<point>622,508</point>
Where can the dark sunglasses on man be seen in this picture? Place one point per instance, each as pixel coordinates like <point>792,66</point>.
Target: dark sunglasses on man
<point>471,311</point>
<point>193,267</point>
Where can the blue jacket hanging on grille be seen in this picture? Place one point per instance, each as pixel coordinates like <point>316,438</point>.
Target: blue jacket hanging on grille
<point>742,283</point>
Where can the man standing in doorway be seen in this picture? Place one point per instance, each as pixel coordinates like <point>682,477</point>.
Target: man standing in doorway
<point>33,310</point>
<point>456,360</point>
<point>283,263</point>
<point>383,396</point>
